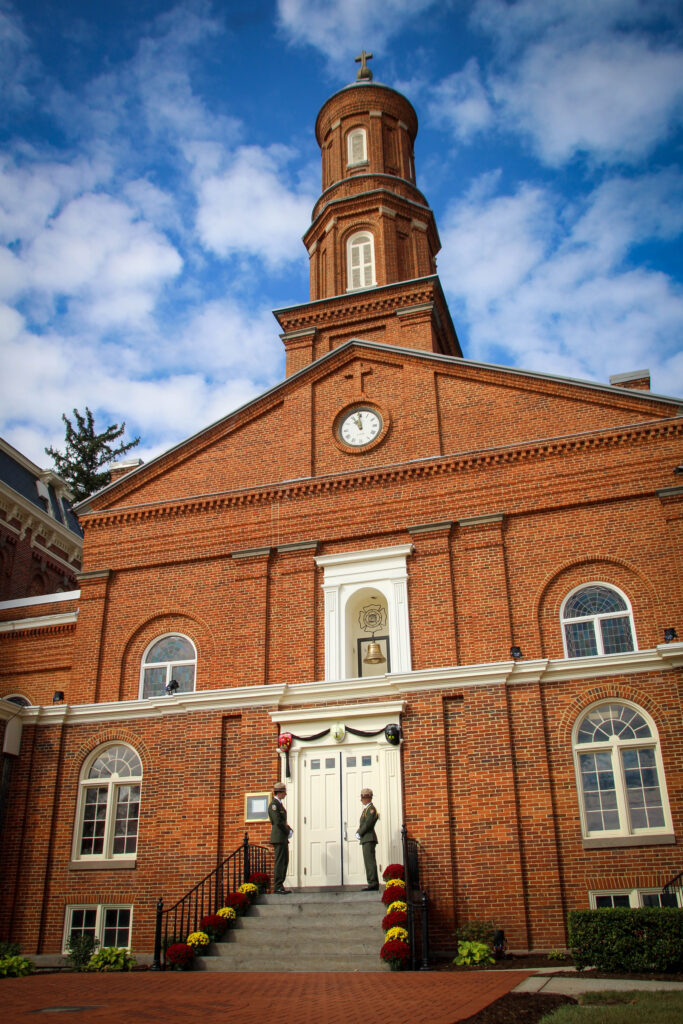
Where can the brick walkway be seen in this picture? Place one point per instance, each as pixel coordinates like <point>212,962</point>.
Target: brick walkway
<point>383,998</point>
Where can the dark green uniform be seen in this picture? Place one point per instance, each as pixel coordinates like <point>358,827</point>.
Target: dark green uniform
<point>368,842</point>
<point>279,837</point>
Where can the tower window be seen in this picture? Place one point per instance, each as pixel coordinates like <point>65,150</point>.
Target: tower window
<point>360,253</point>
<point>357,147</point>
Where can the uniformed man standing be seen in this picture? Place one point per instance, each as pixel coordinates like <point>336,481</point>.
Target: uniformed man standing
<point>280,833</point>
<point>368,840</point>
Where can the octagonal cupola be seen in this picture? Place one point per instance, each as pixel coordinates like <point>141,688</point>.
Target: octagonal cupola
<point>371,226</point>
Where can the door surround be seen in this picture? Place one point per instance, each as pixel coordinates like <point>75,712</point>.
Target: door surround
<point>389,797</point>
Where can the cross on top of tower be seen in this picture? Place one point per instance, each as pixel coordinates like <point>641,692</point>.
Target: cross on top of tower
<point>364,71</point>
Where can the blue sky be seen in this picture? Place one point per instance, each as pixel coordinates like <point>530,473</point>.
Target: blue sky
<point>158,168</point>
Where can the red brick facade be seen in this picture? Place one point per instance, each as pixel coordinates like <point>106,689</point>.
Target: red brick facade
<point>512,490</point>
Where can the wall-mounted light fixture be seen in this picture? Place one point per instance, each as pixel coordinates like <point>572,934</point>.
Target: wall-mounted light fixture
<point>516,652</point>
<point>172,687</point>
<point>58,696</point>
<point>669,635</point>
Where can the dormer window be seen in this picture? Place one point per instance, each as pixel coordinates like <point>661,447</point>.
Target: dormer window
<point>357,147</point>
<point>360,255</point>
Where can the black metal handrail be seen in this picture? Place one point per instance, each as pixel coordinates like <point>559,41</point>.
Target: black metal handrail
<point>206,897</point>
<point>416,899</point>
<point>672,892</point>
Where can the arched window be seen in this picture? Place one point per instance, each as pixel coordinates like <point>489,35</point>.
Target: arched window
<point>17,698</point>
<point>357,147</point>
<point>619,772</point>
<point>169,659</point>
<point>360,254</point>
<point>597,619</point>
<point>109,804</point>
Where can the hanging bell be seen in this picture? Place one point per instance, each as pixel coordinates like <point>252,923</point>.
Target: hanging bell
<point>374,655</point>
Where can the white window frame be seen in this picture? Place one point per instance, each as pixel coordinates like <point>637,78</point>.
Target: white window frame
<point>614,746</point>
<point>345,574</point>
<point>596,619</point>
<point>113,784</point>
<point>356,133</point>
<point>18,699</point>
<point>366,268</point>
<point>99,909</point>
<point>169,665</point>
<point>635,896</point>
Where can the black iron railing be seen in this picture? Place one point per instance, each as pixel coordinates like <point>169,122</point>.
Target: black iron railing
<point>207,896</point>
<point>417,903</point>
<point>672,892</point>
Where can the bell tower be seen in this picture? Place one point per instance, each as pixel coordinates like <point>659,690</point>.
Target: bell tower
<point>372,242</point>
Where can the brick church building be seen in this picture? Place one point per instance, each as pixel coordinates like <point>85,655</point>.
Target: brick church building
<point>486,557</point>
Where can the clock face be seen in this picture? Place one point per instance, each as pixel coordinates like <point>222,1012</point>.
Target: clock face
<point>360,426</point>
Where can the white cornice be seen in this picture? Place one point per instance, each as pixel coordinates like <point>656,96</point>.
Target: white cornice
<point>286,701</point>
<point>28,602</point>
<point>39,622</point>
<point>347,711</point>
<point>16,506</point>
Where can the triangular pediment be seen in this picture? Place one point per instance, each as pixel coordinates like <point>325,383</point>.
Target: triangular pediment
<point>426,405</point>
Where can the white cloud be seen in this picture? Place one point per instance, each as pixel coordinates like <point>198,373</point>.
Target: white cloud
<point>248,209</point>
<point>571,77</point>
<point>335,27</point>
<point>613,99</point>
<point>461,101</point>
<point>97,250</point>
<point>547,286</point>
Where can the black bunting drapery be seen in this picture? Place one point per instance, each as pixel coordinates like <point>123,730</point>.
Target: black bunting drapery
<point>354,732</point>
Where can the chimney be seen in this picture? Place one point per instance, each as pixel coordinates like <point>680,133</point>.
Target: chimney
<point>120,469</point>
<point>638,379</point>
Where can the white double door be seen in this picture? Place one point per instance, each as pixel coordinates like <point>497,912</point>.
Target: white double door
<point>332,779</point>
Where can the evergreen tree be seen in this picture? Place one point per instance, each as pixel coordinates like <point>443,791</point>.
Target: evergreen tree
<point>87,453</point>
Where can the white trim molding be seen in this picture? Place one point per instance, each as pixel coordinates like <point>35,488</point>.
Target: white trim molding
<point>350,571</point>
<point>282,696</point>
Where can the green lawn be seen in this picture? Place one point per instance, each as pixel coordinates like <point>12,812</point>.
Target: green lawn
<point>621,1008</point>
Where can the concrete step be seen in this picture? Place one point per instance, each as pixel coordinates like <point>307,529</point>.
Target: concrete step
<point>304,941</point>
<point>315,911</point>
<point>308,930</point>
<point>299,927</point>
<point>314,964</point>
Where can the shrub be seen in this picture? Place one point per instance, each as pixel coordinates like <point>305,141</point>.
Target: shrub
<point>397,905</point>
<point>9,949</point>
<point>112,958</point>
<point>473,953</point>
<point>393,893</point>
<point>476,931</point>
<point>394,918</point>
<point>214,925</point>
<point>199,941</point>
<point>395,953</point>
<point>228,915</point>
<point>80,949</point>
<point>260,879</point>
<point>393,871</point>
<point>238,901</point>
<point>179,956</point>
<point>557,954</point>
<point>15,966</point>
<point>627,939</point>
